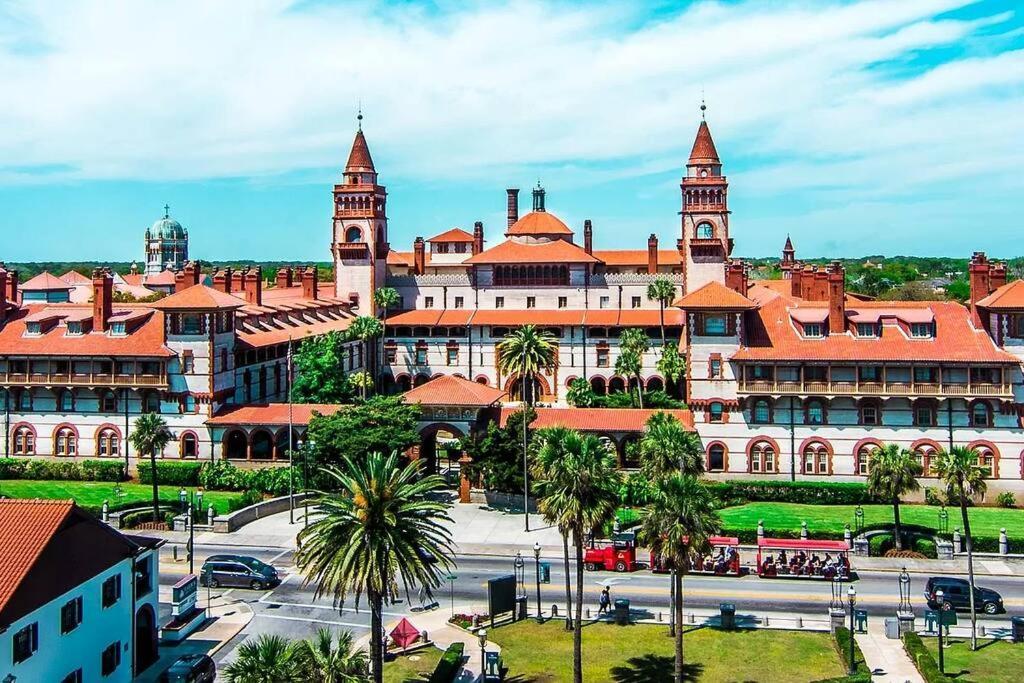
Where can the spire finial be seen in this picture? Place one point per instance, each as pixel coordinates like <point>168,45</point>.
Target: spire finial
<point>703,106</point>
<point>359,116</point>
<point>167,211</point>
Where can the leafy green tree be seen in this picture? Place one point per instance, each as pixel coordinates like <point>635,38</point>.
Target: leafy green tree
<point>580,394</point>
<point>497,452</point>
<point>551,474</point>
<point>663,291</point>
<point>893,473</point>
<point>270,658</point>
<point>361,380</point>
<point>668,448</point>
<point>318,370</point>
<point>964,480</point>
<point>678,526</point>
<point>377,531</point>
<point>329,659</point>
<point>633,344</point>
<point>672,366</point>
<point>150,437</point>
<point>366,328</point>
<point>382,424</point>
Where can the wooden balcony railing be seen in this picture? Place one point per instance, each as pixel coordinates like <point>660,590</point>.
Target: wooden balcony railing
<point>81,379</point>
<point>851,388</point>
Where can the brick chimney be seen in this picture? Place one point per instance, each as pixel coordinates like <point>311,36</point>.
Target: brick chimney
<point>980,277</point>
<point>736,277</point>
<point>513,205</point>
<point>3,295</point>
<point>478,237</point>
<point>222,280</point>
<point>102,299</point>
<point>588,237</point>
<point>309,283</point>
<point>419,256</point>
<point>188,276</point>
<point>996,276</point>
<point>252,281</point>
<point>12,286</point>
<point>836,298</point>
<point>237,282</point>
<point>284,278</point>
<point>652,254</point>
<point>796,277</point>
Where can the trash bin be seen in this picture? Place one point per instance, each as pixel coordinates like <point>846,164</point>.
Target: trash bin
<point>892,628</point>
<point>545,572</point>
<point>1017,629</point>
<point>728,611</point>
<point>622,611</point>
<point>861,617</point>
<point>521,607</point>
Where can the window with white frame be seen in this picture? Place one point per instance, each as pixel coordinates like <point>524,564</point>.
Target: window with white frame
<point>921,330</point>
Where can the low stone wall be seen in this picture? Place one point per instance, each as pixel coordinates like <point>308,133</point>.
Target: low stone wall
<point>225,524</point>
<point>512,502</point>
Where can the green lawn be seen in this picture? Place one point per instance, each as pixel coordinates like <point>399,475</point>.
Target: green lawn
<point>413,668</point>
<point>993,662</point>
<point>92,493</point>
<point>985,521</point>
<point>644,654</point>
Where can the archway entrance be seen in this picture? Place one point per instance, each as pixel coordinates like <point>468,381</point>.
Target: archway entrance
<point>535,390</point>
<point>440,449</point>
<point>146,648</point>
<point>236,445</point>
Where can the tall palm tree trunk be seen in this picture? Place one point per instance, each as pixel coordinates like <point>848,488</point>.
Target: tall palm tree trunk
<point>577,627</point>
<point>970,565</point>
<point>526,469</point>
<point>672,602</point>
<point>639,390</point>
<point>897,530</point>
<point>568,582</point>
<point>678,584</point>
<point>661,304</point>
<point>156,486</point>
<point>376,643</point>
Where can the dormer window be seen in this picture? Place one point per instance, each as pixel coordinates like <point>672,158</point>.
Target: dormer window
<point>814,330</point>
<point>118,329</point>
<point>74,328</point>
<point>34,329</point>
<point>866,330</point>
<point>191,323</point>
<point>705,231</point>
<point>715,325</point>
<point>921,331</point>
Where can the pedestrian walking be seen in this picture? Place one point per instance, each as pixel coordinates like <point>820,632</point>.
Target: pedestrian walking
<point>605,602</point>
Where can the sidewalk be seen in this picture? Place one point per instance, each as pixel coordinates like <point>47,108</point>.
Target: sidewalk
<point>886,658</point>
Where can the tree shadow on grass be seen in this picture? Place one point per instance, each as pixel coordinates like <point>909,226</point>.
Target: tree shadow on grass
<point>651,668</point>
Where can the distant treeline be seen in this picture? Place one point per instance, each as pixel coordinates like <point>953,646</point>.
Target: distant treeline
<point>26,270</point>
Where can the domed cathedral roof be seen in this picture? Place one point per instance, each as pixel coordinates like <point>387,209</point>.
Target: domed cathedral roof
<point>167,228</point>
<point>539,223</point>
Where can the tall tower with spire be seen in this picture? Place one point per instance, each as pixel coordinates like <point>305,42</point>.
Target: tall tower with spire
<point>360,228</point>
<point>788,261</point>
<point>705,245</point>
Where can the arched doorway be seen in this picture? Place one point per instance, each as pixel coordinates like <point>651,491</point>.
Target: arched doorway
<point>598,386</point>
<point>262,445</point>
<point>440,448</point>
<point>535,392</point>
<point>616,385</point>
<point>236,445</point>
<point>145,638</point>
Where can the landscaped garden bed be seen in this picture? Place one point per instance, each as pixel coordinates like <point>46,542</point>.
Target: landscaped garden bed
<point>91,494</point>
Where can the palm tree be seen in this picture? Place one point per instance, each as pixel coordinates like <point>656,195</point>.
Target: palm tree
<point>365,328</point>
<point>386,298</point>
<point>892,473</point>
<point>149,437</point>
<point>668,448</point>
<point>326,659</point>
<point>588,496</point>
<point>677,526</point>
<point>550,474</point>
<point>380,526</point>
<point>268,659</point>
<point>526,352</point>
<point>633,344</point>
<point>964,480</point>
<point>663,291</point>
<point>672,366</point>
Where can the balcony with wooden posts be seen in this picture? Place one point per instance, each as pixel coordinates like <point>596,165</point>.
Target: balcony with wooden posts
<point>83,374</point>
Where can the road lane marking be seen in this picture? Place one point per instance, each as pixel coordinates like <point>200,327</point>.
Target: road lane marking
<point>283,617</point>
<point>330,607</point>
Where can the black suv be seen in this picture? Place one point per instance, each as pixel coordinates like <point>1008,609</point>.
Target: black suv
<point>196,668</point>
<point>237,570</point>
<point>956,595</point>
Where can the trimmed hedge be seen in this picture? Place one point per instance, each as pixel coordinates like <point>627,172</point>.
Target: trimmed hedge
<point>449,664</point>
<point>62,470</point>
<point>134,519</point>
<point>736,492</point>
<point>171,473</point>
<point>221,475</point>
<point>841,640</point>
<point>922,658</point>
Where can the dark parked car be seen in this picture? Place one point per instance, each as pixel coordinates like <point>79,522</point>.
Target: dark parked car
<point>956,595</point>
<point>195,668</point>
<point>237,570</point>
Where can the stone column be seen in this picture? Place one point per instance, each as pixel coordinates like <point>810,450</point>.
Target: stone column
<point>464,483</point>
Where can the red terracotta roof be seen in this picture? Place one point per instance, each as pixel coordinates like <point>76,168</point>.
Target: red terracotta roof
<point>646,317</point>
<point>537,316</point>
<point>509,251</point>
<point>772,336</point>
<point>406,258</point>
<point>453,235</point>
<point>703,146</point>
<point>297,333</point>
<point>26,527</point>
<point>164,277</point>
<point>144,340</point>
<point>199,298</point>
<point>529,316</point>
<point>539,223</point>
<point>637,257</point>
<point>1008,297</point>
<point>271,414</point>
<point>715,296</point>
<point>45,282</point>
<point>135,280</point>
<point>420,316</point>
<point>359,158</point>
<point>449,390</point>
<point>73,277</point>
<point>598,419</point>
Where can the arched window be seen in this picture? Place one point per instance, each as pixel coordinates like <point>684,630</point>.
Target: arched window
<point>65,442</point>
<point>981,414</point>
<point>814,412</point>
<point>24,441</point>
<point>863,458</point>
<point>716,458</point>
<point>816,458</point>
<point>986,460</point>
<point>353,234</point>
<point>923,454</point>
<point>705,231</point>
<point>66,401</point>
<point>108,402</point>
<point>189,445</point>
<point>762,457</point>
<point>761,412</point>
<point>108,443</point>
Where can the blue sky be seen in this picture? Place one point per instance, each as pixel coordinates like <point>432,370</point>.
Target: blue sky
<point>858,127</point>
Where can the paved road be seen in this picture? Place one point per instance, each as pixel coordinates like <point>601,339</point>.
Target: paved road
<point>292,609</point>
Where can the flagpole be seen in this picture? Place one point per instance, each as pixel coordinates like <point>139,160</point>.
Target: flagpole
<point>291,441</point>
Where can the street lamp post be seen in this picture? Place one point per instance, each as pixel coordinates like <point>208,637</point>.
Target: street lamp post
<point>536,561</point>
<point>482,635</point>
<point>904,612</point>
<point>939,594</point>
<point>858,515</point>
<point>836,611</point>
<point>852,595</point>
<point>191,521</point>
